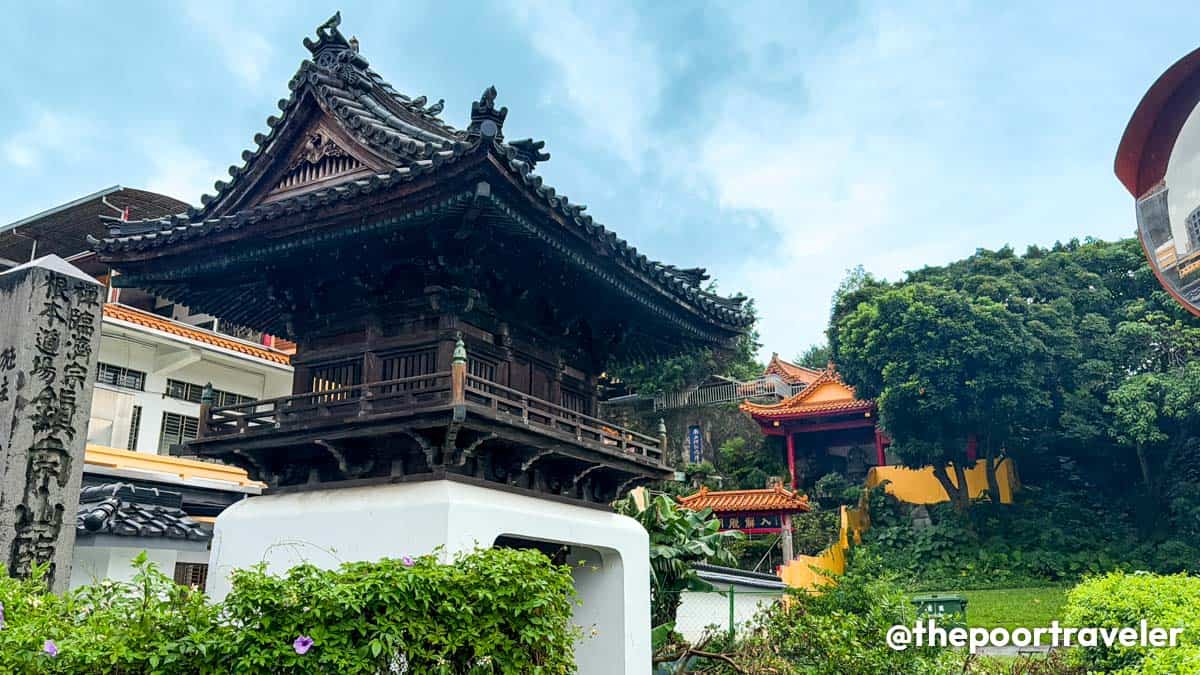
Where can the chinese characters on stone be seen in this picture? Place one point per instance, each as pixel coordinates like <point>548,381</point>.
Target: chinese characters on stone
<point>62,358</point>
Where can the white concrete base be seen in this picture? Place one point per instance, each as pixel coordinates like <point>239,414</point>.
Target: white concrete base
<point>329,527</point>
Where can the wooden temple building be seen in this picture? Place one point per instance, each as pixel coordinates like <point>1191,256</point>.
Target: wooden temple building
<point>433,283</point>
<point>826,427</point>
<point>764,511</point>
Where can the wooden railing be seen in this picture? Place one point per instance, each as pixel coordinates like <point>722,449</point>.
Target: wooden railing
<point>530,410</point>
<point>406,393</point>
<point>771,386</point>
<point>424,392</point>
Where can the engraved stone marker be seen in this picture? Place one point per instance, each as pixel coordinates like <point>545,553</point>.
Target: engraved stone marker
<point>49,337</point>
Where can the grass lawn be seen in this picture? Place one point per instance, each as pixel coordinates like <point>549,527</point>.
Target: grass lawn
<point>1015,607</point>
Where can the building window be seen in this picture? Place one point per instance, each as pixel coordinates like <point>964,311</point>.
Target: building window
<point>186,391</point>
<point>1193,229</point>
<point>408,364</point>
<point>335,376</point>
<point>176,429</point>
<point>192,575</point>
<point>118,376</point>
<point>135,427</point>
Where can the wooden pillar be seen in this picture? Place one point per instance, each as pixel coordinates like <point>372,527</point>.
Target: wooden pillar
<point>789,550</point>
<point>791,452</point>
<point>458,373</point>
<point>972,448</point>
<point>880,455</point>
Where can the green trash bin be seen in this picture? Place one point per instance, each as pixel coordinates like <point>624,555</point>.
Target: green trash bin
<point>947,608</point>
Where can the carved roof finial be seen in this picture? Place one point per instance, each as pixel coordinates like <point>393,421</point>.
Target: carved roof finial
<point>486,120</point>
<point>329,37</point>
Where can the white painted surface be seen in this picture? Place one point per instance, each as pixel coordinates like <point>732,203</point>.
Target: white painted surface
<point>328,527</point>
<point>163,356</point>
<point>99,557</point>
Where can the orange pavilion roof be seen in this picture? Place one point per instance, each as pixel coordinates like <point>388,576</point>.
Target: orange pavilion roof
<point>155,322</point>
<point>827,394</point>
<point>790,372</point>
<point>776,498</point>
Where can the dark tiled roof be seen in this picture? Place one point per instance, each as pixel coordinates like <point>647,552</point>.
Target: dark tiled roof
<point>408,134</point>
<point>122,509</point>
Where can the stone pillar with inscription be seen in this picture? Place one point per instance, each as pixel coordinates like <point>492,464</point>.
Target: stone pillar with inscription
<point>49,339</point>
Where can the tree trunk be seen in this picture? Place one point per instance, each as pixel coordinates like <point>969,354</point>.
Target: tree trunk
<point>959,496</point>
<point>989,470</point>
<point>964,490</point>
<point>1145,466</point>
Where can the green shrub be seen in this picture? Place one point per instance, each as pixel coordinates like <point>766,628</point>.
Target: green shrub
<point>491,611</point>
<point>842,629</point>
<point>1119,600</point>
<point>1051,535</point>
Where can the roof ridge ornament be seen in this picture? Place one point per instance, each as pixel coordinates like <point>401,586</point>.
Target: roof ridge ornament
<point>486,120</point>
<point>530,151</point>
<point>328,36</point>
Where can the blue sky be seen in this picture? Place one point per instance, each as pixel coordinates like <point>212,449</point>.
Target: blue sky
<point>776,144</point>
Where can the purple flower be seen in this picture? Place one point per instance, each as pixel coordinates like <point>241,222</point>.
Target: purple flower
<point>50,648</point>
<point>408,562</point>
<point>302,644</point>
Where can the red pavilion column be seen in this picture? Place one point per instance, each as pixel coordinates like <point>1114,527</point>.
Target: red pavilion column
<point>880,456</point>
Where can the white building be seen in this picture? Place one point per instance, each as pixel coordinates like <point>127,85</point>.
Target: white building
<point>155,360</point>
<point>152,371</point>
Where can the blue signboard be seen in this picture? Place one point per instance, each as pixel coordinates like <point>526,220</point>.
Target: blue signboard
<point>695,445</point>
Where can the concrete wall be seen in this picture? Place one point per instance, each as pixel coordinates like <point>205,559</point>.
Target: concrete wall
<point>163,358</point>
<point>99,557</point>
<point>328,527</point>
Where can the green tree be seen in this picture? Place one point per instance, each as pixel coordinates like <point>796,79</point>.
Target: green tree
<point>1155,415</point>
<point>943,366</point>
<point>679,539</point>
<point>816,357</point>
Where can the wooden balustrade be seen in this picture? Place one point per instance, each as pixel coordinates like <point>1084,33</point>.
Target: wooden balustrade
<point>425,392</point>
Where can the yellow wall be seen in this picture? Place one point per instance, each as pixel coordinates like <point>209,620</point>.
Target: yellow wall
<point>811,572</point>
<point>918,486</point>
<point>99,455</point>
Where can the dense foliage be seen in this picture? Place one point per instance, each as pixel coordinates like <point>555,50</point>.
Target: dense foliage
<point>1072,351</point>
<point>1050,535</point>
<point>492,611</point>
<point>1120,600</point>
<point>679,539</point>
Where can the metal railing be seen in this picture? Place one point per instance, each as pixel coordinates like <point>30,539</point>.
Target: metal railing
<point>770,386</point>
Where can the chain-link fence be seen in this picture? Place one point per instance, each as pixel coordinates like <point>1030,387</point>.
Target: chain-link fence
<point>725,609</point>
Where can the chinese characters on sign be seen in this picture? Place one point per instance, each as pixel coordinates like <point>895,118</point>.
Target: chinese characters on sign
<point>770,521</point>
<point>47,355</point>
<point>695,445</point>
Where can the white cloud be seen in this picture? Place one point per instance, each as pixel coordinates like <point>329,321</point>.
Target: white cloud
<point>178,170</point>
<point>610,76</point>
<point>845,171</point>
<point>245,52</point>
<point>48,134</point>
<point>839,177</point>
